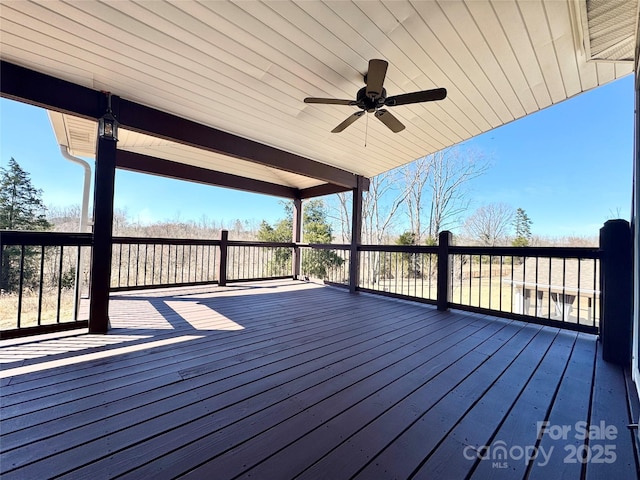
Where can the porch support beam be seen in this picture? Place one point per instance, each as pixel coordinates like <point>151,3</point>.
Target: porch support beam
<point>329,188</point>
<point>616,297</point>
<point>356,234</point>
<point>102,232</point>
<point>297,237</point>
<point>444,271</point>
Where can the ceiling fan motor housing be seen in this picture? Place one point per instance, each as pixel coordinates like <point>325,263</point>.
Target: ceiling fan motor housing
<point>370,103</point>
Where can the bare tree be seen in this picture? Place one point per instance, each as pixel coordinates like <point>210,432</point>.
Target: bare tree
<point>417,176</point>
<point>450,172</point>
<point>340,214</point>
<point>380,204</point>
<point>490,224</point>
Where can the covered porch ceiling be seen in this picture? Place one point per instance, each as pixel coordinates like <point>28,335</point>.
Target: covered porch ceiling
<point>244,68</point>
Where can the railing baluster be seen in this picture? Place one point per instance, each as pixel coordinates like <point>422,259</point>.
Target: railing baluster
<point>490,279</point>
<point>512,278</point>
<point>40,285</point>
<point>422,275</point>
<point>578,293</point>
<point>470,277</point>
<point>536,289</point>
<point>182,266</point>
<point>77,286</point>
<point>59,302</point>
<point>161,258</point>
<point>175,268</point>
<point>208,275</point>
<point>480,282</point>
<point>128,264</point>
<point>430,273</point>
<point>153,265</point>
<point>549,293</point>
<point>21,284</point>
<point>119,263</point>
<point>564,283</point>
<point>524,287</point>
<point>196,266</point>
<point>500,285</point>
<point>137,263</point>
<point>460,287</point>
<point>596,274</point>
<point>146,248</point>
<point>189,265</point>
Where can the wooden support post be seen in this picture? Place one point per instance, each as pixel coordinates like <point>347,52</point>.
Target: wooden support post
<point>444,271</point>
<point>356,236</point>
<point>616,296</point>
<point>224,248</point>
<point>297,238</point>
<point>104,186</point>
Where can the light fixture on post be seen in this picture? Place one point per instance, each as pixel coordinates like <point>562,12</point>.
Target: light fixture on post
<point>108,125</point>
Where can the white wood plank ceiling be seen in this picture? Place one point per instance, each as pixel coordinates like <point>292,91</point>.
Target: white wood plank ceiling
<point>246,66</point>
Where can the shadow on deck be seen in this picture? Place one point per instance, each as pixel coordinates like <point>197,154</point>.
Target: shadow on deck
<point>285,379</point>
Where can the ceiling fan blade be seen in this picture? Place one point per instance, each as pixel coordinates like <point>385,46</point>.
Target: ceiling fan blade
<point>350,119</point>
<point>375,77</point>
<point>389,120</point>
<point>416,97</point>
<point>329,101</point>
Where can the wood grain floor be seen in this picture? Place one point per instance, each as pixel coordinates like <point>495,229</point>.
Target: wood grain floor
<point>279,380</point>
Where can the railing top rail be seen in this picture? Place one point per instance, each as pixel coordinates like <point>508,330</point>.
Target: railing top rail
<point>399,248</point>
<point>17,237</point>
<point>165,241</point>
<point>325,246</point>
<point>553,252</point>
<point>243,243</point>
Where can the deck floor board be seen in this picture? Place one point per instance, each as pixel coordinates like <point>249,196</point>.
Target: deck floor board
<point>286,379</point>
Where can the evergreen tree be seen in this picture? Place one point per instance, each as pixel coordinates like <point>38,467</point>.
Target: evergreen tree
<point>316,229</point>
<point>522,225</point>
<point>21,208</point>
<point>409,260</point>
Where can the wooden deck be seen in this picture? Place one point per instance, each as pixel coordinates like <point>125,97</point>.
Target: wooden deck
<point>279,380</point>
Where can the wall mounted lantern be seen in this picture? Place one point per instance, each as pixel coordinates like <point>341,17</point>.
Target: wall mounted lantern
<point>108,125</point>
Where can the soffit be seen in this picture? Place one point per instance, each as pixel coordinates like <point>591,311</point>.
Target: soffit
<point>79,134</point>
<point>611,28</point>
<point>245,67</point>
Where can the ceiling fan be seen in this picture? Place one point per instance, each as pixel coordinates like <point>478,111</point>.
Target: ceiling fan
<point>373,97</point>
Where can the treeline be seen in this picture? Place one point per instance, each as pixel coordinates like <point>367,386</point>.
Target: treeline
<point>67,219</point>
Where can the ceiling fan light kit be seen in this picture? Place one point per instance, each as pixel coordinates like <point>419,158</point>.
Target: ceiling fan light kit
<point>373,96</point>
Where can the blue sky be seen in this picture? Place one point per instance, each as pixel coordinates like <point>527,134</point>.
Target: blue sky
<point>569,166</point>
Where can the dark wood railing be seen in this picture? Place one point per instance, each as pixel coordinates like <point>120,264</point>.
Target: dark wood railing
<point>402,271</point>
<point>326,262</point>
<point>42,278</point>
<point>139,263</point>
<point>250,261</point>
<point>552,286</point>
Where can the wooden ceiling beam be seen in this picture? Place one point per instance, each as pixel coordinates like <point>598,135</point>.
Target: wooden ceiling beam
<point>28,86</point>
<point>137,162</point>
<point>150,121</point>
